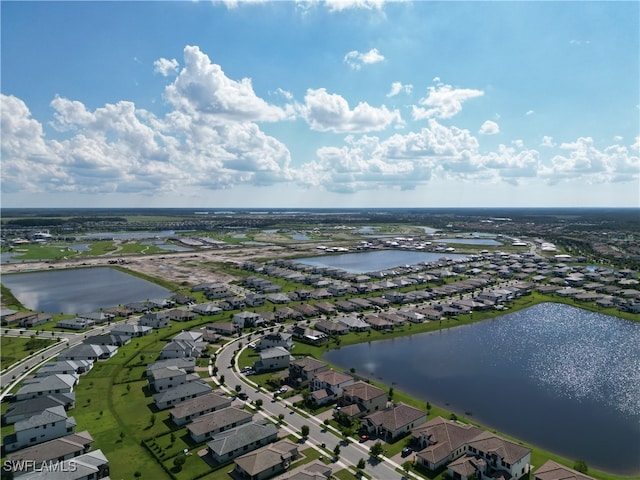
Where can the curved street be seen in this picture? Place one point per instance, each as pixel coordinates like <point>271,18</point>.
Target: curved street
<point>350,454</point>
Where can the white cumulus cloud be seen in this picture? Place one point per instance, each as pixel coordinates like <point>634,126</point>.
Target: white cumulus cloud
<point>489,128</point>
<point>166,67</point>
<point>203,88</point>
<point>328,112</point>
<point>340,5</point>
<point>444,101</point>
<point>398,87</point>
<point>357,59</point>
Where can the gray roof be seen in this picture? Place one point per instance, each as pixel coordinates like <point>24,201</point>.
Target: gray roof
<point>83,466</point>
<point>50,415</point>
<point>273,352</point>
<point>166,372</point>
<point>63,365</point>
<point>238,437</point>
<point>36,405</point>
<point>217,420</point>
<point>192,388</point>
<point>183,363</point>
<point>87,350</point>
<point>53,449</point>
<point>58,381</point>
<point>199,404</point>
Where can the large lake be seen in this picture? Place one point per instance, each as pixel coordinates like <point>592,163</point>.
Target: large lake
<point>375,261</point>
<point>564,379</point>
<point>81,290</point>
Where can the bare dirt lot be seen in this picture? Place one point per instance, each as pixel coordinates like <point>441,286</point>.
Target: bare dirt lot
<point>192,267</point>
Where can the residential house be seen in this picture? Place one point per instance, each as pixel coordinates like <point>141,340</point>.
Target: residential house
<point>43,386</point>
<point>189,336</point>
<point>206,309</point>
<point>39,319</point>
<point>186,411</point>
<point>302,370</point>
<point>98,317</point>
<point>245,438</point>
<point>247,319</point>
<point>75,324</point>
<point>175,395</point>
<point>207,426</point>
<point>500,455</point>
<point>391,423</point>
<point>89,466</point>
<point>225,328</point>
<point>165,378</point>
<point>411,315</point>
<point>306,310</point>
<point>275,358</point>
<point>88,352</point>
<point>154,320</point>
<point>56,450</point>
<point>325,308</point>
<point>315,470</point>
<point>50,424</point>
<point>182,349</point>
<point>364,397</point>
<point>266,462</point>
<point>331,327</point>
<point>70,367</point>
<point>308,335</point>
<point>255,300</point>
<point>327,386</point>
<point>378,323</point>
<point>440,441</point>
<point>346,306</point>
<point>186,364</point>
<point>354,324</point>
<point>276,339</point>
<point>182,315</point>
<point>24,409</point>
<point>107,339</point>
<point>551,470</point>
<point>132,331</point>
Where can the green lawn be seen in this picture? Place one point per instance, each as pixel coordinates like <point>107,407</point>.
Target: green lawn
<point>13,349</point>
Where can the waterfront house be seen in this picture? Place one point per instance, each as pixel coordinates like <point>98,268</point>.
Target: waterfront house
<point>551,470</point>
<point>331,327</point>
<point>302,370</point>
<point>368,398</point>
<point>75,323</point>
<point>440,441</point>
<point>393,422</point>
<point>502,456</point>
<point>308,335</point>
<point>354,324</point>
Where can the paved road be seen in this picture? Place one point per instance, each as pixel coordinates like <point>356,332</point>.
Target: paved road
<point>350,454</point>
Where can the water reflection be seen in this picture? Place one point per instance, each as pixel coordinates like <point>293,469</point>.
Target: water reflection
<point>552,375</point>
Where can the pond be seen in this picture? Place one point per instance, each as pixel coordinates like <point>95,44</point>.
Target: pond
<point>469,241</point>
<point>375,261</point>
<point>80,290</point>
<point>562,378</point>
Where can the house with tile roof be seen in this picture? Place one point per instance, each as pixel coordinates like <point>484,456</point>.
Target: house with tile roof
<point>395,421</point>
<point>440,441</point>
<point>327,386</point>
<point>302,370</point>
<point>551,470</point>
<point>368,399</point>
<point>501,456</point>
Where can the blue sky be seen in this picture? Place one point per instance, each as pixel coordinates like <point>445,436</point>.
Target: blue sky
<point>352,103</point>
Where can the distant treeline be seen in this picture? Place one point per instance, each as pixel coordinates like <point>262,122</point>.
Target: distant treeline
<point>56,222</point>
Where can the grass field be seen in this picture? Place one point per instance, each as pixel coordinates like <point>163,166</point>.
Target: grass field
<point>13,349</point>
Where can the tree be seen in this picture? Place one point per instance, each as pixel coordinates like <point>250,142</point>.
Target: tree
<point>178,462</point>
<point>336,450</point>
<point>281,417</point>
<point>376,450</point>
<point>391,392</point>
<point>152,420</point>
<point>221,378</point>
<point>304,430</point>
<point>258,403</point>
<point>122,436</point>
<point>361,464</point>
<point>238,388</point>
<point>581,466</point>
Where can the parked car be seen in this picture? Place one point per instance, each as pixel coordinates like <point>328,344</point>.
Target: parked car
<point>364,437</point>
<point>243,396</point>
<point>406,451</point>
